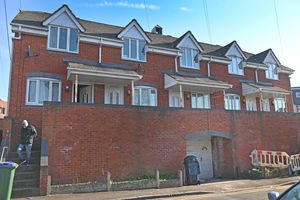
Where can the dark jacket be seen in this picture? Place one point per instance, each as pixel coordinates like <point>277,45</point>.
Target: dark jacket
<point>28,134</point>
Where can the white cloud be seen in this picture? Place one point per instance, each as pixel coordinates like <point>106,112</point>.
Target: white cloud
<point>185,9</point>
<point>125,4</point>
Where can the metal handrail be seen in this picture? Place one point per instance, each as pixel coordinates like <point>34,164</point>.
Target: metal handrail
<point>5,146</point>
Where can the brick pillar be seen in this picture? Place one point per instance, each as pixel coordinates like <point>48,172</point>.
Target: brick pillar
<point>45,185</point>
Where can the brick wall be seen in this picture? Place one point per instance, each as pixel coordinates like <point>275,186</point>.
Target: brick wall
<point>85,141</point>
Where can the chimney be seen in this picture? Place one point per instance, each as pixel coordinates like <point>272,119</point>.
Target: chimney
<point>157,29</point>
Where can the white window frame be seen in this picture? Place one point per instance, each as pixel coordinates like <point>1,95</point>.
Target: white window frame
<point>278,102</point>
<point>37,90</point>
<point>251,104</point>
<point>233,66</point>
<point>172,96</point>
<point>232,105</point>
<point>112,88</point>
<point>137,49</point>
<point>297,94</point>
<point>68,40</point>
<point>194,64</point>
<point>140,95</point>
<point>270,72</point>
<point>203,96</point>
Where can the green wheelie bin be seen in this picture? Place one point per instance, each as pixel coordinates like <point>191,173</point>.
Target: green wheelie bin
<point>7,173</point>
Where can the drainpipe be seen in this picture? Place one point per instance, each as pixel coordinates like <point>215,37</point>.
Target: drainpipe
<point>176,67</point>
<point>256,74</point>
<point>208,66</point>
<point>132,92</point>
<point>76,88</point>
<point>100,50</point>
<point>181,96</point>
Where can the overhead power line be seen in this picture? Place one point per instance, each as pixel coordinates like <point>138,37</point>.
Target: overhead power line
<point>207,20</point>
<point>147,15</point>
<point>278,27</point>
<point>7,32</point>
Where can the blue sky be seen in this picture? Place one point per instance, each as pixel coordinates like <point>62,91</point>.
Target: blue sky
<point>252,23</point>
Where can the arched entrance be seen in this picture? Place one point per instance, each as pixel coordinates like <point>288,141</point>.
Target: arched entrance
<point>214,152</point>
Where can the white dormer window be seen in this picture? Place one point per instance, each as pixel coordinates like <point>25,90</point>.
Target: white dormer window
<point>272,73</point>
<point>236,66</point>
<point>134,49</point>
<point>189,58</point>
<point>63,39</point>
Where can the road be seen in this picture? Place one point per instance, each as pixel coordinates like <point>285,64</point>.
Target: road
<point>249,194</point>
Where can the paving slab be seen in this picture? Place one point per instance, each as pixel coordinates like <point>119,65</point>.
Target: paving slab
<point>205,188</point>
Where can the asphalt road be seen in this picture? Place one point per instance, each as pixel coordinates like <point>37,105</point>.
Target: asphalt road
<point>250,194</point>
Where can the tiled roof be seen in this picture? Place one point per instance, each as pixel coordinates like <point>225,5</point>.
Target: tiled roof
<point>258,58</point>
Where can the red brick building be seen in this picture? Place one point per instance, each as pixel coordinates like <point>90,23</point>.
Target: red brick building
<point>2,108</point>
<point>124,100</point>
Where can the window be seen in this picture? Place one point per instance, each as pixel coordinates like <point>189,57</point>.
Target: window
<point>236,66</point>
<point>189,58</point>
<point>232,102</point>
<point>134,49</point>
<point>279,104</point>
<point>200,100</point>
<point>251,104</point>
<point>175,99</point>
<point>114,95</point>
<point>42,89</point>
<point>272,73</point>
<point>63,39</point>
<point>2,111</point>
<point>145,96</point>
<point>297,94</point>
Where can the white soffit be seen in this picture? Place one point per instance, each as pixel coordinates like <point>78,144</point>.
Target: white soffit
<point>235,50</point>
<point>134,30</point>
<point>189,41</point>
<point>271,58</point>
<point>60,13</point>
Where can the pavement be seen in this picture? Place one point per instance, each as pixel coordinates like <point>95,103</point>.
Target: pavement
<point>218,186</point>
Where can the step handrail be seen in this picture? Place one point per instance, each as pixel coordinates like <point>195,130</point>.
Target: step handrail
<point>5,146</point>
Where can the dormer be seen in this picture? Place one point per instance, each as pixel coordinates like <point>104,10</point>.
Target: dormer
<point>235,53</point>
<point>190,51</point>
<point>64,29</point>
<point>273,64</point>
<point>134,42</point>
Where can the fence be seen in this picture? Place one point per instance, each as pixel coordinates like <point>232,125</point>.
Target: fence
<point>280,159</point>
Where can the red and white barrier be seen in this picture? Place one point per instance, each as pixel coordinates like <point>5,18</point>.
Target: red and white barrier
<point>262,158</point>
<point>295,162</point>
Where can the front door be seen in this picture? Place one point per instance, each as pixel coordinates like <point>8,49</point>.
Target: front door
<point>84,93</point>
<point>251,104</point>
<point>202,149</point>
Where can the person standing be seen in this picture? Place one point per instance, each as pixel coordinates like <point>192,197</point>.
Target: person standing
<point>28,133</point>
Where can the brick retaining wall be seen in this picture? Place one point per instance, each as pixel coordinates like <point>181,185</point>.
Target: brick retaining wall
<point>85,141</point>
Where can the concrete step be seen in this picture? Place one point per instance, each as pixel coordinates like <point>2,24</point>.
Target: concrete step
<point>18,184</point>
<point>28,168</point>
<point>17,160</point>
<point>27,175</point>
<point>25,192</point>
<point>34,154</point>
